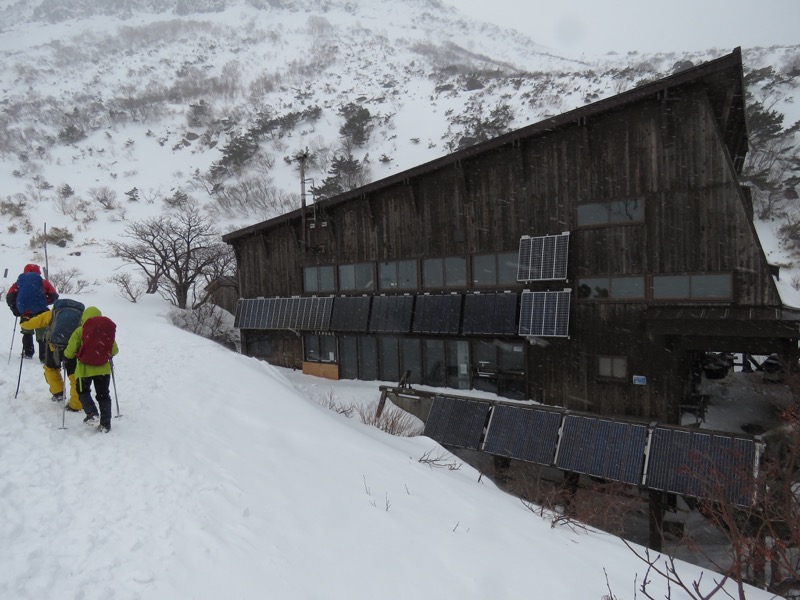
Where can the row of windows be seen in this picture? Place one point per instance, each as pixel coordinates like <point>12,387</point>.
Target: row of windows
<point>486,365</point>
<point>500,269</point>
<point>714,286</point>
<point>489,270</point>
<point>480,364</point>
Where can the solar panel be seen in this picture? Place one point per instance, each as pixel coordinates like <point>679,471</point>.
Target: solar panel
<point>437,314</point>
<point>309,314</point>
<point>603,448</point>
<point>456,422</point>
<point>391,314</point>
<point>350,313</point>
<point>544,314</point>
<point>702,464</point>
<point>313,314</point>
<point>490,314</point>
<point>542,258</point>
<point>523,433</point>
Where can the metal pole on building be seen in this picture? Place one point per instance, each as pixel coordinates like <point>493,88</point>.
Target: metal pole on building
<point>301,158</point>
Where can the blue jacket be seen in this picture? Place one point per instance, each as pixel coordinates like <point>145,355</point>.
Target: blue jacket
<point>30,294</point>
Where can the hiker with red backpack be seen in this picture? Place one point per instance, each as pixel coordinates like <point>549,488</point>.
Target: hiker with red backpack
<point>29,296</point>
<point>59,323</point>
<point>93,344</point>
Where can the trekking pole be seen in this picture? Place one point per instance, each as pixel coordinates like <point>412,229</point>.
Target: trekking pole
<point>114,383</point>
<point>46,263</point>
<point>13,333</point>
<point>64,400</point>
<point>19,377</point>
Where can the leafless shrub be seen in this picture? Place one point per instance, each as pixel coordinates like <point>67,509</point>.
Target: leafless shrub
<point>440,459</point>
<point>104,196</point>
<point>208,321</point>
<point>393,420</point>
<point>128,288</point>
<point>254,196</point>
<point>13,208</point>
<point>331,402</point>
<point>69,281</point>
<point>264,84</point>
<point>55,236</point>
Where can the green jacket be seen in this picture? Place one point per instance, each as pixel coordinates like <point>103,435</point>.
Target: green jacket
<point>82,370</point>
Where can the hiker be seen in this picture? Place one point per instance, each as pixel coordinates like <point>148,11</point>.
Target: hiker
<point>94,344</point>
<point>27,297</point>
<point>59,323</point>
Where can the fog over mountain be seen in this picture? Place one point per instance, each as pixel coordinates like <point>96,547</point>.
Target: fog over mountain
<point>213,98</point>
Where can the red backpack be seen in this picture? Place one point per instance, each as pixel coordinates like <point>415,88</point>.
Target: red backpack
<point>97,340</point>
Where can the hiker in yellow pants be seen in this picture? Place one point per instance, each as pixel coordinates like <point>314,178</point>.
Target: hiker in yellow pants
<point>53,358</point>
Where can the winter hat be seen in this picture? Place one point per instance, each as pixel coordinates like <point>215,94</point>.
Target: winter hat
<point>31,268</point>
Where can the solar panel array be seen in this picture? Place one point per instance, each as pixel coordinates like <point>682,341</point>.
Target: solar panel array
<point>603,448</point>
<point>456,422</point>
<point>542,258</point>
<point>437,314</point>
<point>544,314</point>
<point>490,314</point>
<point>702,464</point>
<point>692,463</point>
<point>391,314</point>
<point>523,433</point>
<point>308,314</point>
<point>350,313</point>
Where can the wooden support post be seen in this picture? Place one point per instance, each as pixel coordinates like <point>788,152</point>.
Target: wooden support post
<point>381,404</point>
<point>656,522</point>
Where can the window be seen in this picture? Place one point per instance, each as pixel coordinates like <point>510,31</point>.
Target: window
<point>357,277</point>
<point>494,269</point>
<point>499,367</point>
<point>448,272</point>
<point>612,367</point>
<point>398,275</point>
<point>613,212</point>
<point>319,348</point>
<point>611,288</point>
<point>367,358</point>
<point>389,358</point>
<point>319,279</point>
<point>694,287</point>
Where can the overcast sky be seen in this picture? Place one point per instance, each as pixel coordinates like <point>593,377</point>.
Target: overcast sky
<point>600,26</point>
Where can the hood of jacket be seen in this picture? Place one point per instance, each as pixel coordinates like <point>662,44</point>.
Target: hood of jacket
<point>31,268</point>
<point>89,312</point>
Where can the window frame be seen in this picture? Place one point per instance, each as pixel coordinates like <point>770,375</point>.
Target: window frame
<point>691,281</point>
<point>611,298</point>
<point>317,270</point>
<point>609,221</point>
<point>355,275</point>
<point>613,360</point>
<point>395,266</point>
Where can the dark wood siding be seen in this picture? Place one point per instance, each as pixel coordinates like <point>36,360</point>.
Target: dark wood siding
<point>667,149</point>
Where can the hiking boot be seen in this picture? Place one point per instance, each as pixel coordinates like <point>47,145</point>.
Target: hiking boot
<point>28,355</point>
<point>91,419</point>
<point>70,409</point>
<point>57,397</point>
<point>104,428</point>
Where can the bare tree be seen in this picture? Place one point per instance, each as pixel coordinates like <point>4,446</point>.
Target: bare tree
<point>175,253</point>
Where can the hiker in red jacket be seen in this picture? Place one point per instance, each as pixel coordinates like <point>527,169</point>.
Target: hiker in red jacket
<point>27,297</point>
